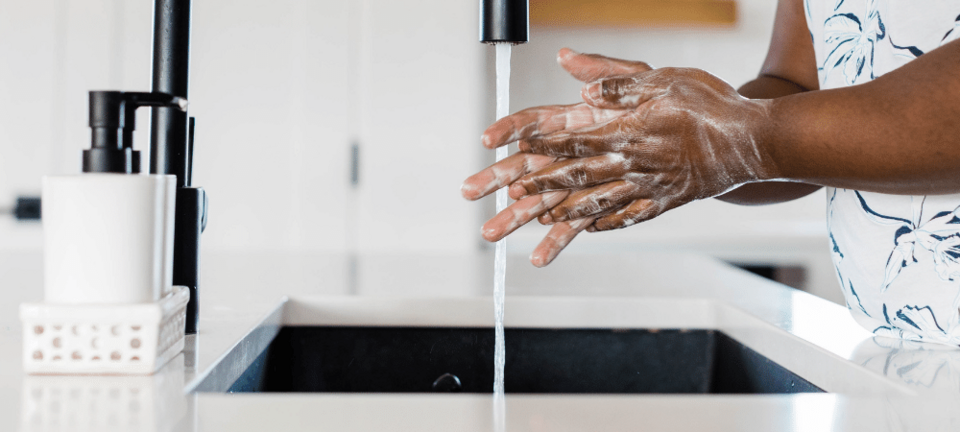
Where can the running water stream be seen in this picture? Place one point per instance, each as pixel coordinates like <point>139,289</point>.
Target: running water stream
<point>500,254</point>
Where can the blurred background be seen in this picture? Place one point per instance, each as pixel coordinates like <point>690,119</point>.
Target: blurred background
<point>346,127</point>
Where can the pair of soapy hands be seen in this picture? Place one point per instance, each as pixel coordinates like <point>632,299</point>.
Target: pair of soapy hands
<point>644,141</point>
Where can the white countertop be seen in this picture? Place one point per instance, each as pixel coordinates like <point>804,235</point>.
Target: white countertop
<point>874,384</point>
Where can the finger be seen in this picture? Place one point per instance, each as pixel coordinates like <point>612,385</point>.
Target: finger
<point>594,201</point>
<point>591,67</point>
<point>545,219</point>
<point>543,120</point>
<point>591,141</point>
<point>519,213</point>
<point>623,92</point>
<point>503,173</point>
<point>638,211</point>
<point>558,238</point>
<point>576,173</point>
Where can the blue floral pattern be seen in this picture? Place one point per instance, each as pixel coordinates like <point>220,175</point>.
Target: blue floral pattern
<point>897,258</point>
<point>852,42</point>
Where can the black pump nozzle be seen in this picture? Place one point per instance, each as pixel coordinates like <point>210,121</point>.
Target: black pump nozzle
<point>504,21</point>
<point>112,121</point>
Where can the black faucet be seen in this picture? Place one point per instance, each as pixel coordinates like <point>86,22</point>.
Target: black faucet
<point>171,144</point>
<point>504,21</point>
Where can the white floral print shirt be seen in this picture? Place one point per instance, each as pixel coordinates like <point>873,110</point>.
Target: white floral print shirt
<point>897,257</point>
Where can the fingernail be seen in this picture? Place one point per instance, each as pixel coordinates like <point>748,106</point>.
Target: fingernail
<point>489,234</point>
<point>470,191</point>
<point>565,54</point>
<point>484,140</point>
<point>593,91</point>
<point>536,260</point>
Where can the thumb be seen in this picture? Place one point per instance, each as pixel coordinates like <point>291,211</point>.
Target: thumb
<point>591,67</point>
<point>621,92</point>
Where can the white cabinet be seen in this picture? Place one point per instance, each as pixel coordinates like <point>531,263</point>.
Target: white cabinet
<point>281,90</point>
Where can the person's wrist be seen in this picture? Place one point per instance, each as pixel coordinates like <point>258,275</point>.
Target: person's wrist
<point>761,128</point>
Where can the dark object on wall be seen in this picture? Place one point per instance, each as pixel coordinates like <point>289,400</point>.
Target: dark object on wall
<point>27,208</point>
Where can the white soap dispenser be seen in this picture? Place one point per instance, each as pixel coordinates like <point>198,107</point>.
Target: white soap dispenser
<point>109,304</point>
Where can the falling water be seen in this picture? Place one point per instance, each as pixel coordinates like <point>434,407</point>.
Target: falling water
<point>500,254</point>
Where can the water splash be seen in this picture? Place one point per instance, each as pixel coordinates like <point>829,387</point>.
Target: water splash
<point>500,253</point>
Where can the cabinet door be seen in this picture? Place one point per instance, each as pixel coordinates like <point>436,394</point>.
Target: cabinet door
<point>283,92</point>
<point>421,98</point>
<point>272,141</point>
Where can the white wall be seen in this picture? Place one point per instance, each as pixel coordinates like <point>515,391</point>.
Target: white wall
<point>282,88</point>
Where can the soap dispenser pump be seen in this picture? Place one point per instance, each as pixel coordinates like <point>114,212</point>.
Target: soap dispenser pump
<point>117,240</point>
<point>109,304</point>
<point>112,121</point>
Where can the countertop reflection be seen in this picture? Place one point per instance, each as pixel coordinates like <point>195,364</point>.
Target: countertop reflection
<point>242,291</point>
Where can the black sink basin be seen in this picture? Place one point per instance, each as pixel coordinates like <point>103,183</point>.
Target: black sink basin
<point>420,360</point>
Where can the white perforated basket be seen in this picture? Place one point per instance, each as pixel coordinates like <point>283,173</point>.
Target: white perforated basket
<point>134,338</point>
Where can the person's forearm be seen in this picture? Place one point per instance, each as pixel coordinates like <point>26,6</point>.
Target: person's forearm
<point>768,87</point>
<point>898,134</point>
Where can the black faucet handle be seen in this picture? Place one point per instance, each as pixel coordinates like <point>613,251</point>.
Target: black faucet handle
<point>139,99</point>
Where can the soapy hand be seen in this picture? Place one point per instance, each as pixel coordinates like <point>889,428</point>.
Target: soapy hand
<point>586,68</point>
<point>645,141</point>
<point>687,136</point>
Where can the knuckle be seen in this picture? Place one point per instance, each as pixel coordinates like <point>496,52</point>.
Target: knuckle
<point>578,177</point>
<point>604,202</point>
<point>577,146</point>
<point>610,88</point>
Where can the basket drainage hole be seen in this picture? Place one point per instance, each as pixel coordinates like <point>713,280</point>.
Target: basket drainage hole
<point>115,330</point>
<point>115,356</point>
<point>38,355</point>
<point>76,355</point>
<point>38,329</point>
<point>135,343</point>
<point>135,328</point>
<point>134,358</point>
<point>95,358</point>
<point>57,342</point>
